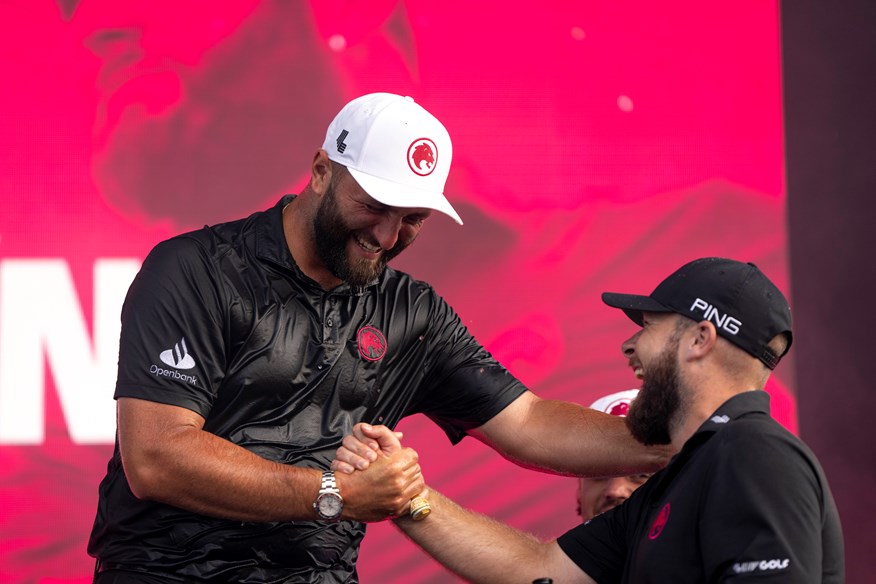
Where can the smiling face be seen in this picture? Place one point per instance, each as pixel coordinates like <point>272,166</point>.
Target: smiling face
<point>356,236</point>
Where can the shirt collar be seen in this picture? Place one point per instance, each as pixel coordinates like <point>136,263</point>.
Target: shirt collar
<point>271,246</point>
<point>270,239</point>
<point>734,408</point>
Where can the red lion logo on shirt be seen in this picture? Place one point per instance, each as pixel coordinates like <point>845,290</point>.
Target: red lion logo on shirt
<point>372,343</point>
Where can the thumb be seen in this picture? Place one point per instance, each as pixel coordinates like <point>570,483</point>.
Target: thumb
<point>388,440</point>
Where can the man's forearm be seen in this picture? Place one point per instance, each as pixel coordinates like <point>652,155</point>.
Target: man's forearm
<point>480,549</point>
<point>474,546</point>
<point>200,472</point>
<point>567,438</point>
<point>168,457</point>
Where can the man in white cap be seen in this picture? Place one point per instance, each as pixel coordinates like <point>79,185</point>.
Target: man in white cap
<point>250,348</point>
<point>599,494</point>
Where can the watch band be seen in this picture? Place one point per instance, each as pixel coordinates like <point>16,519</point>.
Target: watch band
<point>329,503</point>
<point>329,484</point>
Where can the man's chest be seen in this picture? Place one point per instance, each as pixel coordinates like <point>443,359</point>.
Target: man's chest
<point>667,538</point>
<point>294,352</point>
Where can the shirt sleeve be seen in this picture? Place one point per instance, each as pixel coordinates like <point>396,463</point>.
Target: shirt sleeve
<point>465,386</point>
<point>762,514</point>
<point>171,348</point>
<point>600,546</point>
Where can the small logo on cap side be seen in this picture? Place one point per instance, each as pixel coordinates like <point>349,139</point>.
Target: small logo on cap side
<point>422,156</point>
<point>340,141</point>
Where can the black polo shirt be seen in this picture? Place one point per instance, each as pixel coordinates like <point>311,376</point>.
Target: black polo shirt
<point>221,321</point>
<point>745,500</point>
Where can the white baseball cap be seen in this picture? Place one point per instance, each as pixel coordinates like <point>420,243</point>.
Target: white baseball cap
<point>615,404</point>
<point>397,151</point>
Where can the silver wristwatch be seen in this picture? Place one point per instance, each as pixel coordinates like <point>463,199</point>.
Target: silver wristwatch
<point>329,502</point>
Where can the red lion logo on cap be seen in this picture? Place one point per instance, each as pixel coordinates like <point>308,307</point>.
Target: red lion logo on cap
<point>372,343</point>
<point>422,155</point>
<point>619,409</point>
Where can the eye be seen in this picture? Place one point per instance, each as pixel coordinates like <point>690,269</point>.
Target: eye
<point>415,220</point>
<point>640,479</point>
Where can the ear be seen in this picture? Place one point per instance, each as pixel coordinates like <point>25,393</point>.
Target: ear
<point>320,172</point>
<point>701,340</point>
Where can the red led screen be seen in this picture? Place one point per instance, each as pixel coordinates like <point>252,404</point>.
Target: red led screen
<point>597,146</point>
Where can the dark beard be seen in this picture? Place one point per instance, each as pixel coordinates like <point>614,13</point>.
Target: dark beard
<point>657,406</point>
<point>332,235</point>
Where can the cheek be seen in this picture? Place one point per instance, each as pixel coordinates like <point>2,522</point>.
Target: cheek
<point>407,234</point>
<point>646,348</point>
<point>593,488</point>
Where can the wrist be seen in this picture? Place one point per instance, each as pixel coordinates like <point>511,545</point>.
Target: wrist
<point>328,503</point>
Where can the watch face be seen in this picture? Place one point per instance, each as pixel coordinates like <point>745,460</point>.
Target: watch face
<point>329,505</point>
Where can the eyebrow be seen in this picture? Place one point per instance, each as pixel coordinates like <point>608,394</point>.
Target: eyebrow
<point>364,198</point>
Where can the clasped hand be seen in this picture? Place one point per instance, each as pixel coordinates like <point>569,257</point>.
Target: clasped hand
<point>376,475</point>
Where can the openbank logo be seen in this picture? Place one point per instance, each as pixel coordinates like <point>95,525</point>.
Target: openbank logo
<point>178,357</point>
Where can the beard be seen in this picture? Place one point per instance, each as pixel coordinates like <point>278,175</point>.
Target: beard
<point>659,403</point>
<point>332,236</point>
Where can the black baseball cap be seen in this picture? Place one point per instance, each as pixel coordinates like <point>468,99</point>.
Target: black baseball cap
<point>746,308</point>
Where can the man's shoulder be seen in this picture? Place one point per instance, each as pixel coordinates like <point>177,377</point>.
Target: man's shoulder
<point>397,280</point>
<point>216,238</point>
<point>757,426</point>
<point>400,293</point>
<point>761,444</point>
<point>747,432</point>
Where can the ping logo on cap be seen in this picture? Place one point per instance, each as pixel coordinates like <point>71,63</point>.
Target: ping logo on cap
<point>725,321</point>
<point>422,156</point>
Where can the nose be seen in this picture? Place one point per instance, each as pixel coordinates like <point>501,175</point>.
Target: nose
<point>619,489</point>
<point>387,230</point>
<point>628,347</point>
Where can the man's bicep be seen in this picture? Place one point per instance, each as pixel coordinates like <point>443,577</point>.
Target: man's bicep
<point>145,427</point>
<point>504,430</point>
<point>563,569</point>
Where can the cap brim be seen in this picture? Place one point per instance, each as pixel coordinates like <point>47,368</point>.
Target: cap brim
<point>398,195</point>
<point>633,305</point>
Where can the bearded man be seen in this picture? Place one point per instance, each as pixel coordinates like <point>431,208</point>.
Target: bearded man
<point>250,348</point>
<point>743,500</point>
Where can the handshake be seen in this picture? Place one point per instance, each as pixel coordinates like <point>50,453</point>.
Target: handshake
<point>372,461</point>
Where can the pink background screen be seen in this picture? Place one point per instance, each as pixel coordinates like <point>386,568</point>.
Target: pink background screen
<point>597,147</point>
